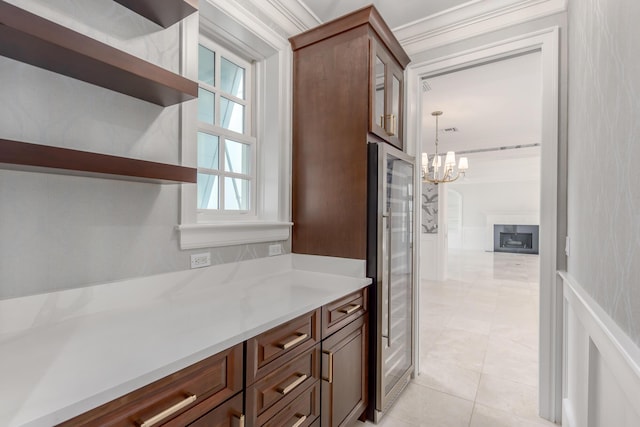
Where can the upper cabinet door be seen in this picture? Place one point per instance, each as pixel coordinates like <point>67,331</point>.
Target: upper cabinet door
<point>387,96</point>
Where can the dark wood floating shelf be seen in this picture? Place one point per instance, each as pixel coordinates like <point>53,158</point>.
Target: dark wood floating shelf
<point>16,155</point>
<point>34,40</point>
<point>162,12</point>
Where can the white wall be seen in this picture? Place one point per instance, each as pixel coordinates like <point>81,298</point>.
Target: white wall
<point>63,231</point>
<point>604,148</point>
<point>481,202</point>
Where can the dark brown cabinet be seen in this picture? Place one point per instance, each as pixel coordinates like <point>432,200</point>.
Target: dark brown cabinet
<point>386,95</point>
<point>229,414</point>
<point>344,379</point>
<point>337,110</point>
<point>283,374</point>
<point>344,364</point>
<point>188,394</point>
<point>309,371</point>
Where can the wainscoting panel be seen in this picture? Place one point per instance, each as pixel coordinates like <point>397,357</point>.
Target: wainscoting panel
<point>601,365</point>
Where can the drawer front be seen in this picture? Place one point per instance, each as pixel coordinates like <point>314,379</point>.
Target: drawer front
<point>341,312</point>
<point>273,348</point>
<point>229,414</point>
<point>288,380</point>
<point>300,412</point>
<point>212,380</point>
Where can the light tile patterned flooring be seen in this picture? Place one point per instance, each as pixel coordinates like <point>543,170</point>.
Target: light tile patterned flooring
<point>478,346</point>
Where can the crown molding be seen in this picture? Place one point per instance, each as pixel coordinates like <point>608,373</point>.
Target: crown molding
<point>472,19</point>
<point>291,16</point>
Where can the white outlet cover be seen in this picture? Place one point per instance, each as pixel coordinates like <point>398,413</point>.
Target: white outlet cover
<point>201,260</point>
<point>275,249</point>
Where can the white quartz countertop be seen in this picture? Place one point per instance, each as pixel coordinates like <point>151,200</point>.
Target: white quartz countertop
<point>66,352</point>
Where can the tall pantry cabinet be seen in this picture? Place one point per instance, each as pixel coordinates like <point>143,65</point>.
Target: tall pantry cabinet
<point>348,85</point>
<point>348,90</point>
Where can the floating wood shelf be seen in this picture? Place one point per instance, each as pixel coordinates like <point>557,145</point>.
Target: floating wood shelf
<point>34,40</point>
<point>16,155</point>
<point>162,12</point>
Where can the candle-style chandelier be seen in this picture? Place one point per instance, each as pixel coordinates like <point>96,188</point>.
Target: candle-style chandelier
<point>449,172</point>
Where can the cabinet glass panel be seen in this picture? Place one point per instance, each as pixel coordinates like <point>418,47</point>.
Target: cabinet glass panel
<point>231,78</point>
<point>395,107</point>
<point>379,96</point>
<point>207,151</point>
<point>236,194</point>
<point>206,108</point>
<point>231,115</point>
<point>237,157</point>
<point>208,191</point>
<point>397,355</point>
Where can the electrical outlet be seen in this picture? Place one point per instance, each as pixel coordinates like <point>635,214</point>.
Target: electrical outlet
<point>200,260</point>
<point>275,249</point>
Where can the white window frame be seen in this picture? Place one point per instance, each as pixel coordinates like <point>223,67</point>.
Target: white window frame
<point>212,215</point>
<point>270,123</point>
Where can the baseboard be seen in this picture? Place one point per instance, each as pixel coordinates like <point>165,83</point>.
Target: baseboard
<point>601,364</point>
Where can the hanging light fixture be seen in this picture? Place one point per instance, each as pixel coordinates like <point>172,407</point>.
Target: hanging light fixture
<point>448,173</point>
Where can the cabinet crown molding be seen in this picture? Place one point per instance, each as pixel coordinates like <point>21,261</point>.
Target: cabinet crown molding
<point>368,15</point>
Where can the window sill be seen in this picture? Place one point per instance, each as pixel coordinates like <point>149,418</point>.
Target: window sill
<point>194,236</point>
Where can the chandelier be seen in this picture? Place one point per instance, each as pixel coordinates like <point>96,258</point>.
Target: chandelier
<point>448,173</point>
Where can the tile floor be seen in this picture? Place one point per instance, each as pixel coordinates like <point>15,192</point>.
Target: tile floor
<point>478,346</point>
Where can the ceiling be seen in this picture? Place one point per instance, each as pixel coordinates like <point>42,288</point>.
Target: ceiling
<point>492,105</point>
<point>395,13</point>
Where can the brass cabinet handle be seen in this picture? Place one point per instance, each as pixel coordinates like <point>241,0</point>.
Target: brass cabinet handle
<point>289,344</point>
<point>351,309</point>
<point>392,130</point>
<point>301,419</point>
<point>382,121</point>
<point>329,378</point>
<point>169,411</point>
<point>296,383</point>
<point>240,418</point>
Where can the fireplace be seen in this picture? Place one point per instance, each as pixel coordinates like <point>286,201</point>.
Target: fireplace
<point>522,239</point>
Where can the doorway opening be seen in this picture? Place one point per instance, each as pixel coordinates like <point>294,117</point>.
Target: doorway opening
<point>549,314</point>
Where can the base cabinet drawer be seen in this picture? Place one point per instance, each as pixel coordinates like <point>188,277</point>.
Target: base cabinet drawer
<point>285,382</point>
<point>340,313</point>
<point>300,412</point>
<point>229,414</point>
<point>277,346</point>
<point>205,384</point>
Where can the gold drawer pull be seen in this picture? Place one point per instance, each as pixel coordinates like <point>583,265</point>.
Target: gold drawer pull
<point>329,378</point>
<point>351,309</point>
<point>293,385</point>
<point>297,340</point>
<point>240,418</point>
<point>169,411</point>
<point>301,420</point>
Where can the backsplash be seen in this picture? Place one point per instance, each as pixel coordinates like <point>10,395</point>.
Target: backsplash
<point>60,231</point>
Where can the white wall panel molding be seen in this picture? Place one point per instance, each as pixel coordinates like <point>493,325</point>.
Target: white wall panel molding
<point>602,365</point>
<point>472,19</point>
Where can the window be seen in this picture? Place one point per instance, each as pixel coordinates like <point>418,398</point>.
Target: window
<point>226,148</point>
<point>238,132</point>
